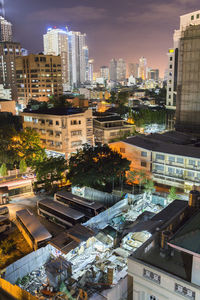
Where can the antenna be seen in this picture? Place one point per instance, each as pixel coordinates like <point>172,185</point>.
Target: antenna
<point>2,9</point>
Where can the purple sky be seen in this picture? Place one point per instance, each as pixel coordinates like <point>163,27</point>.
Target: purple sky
<point>125,29</point>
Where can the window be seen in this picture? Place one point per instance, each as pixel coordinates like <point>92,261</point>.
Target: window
<point>89,131</point>
<point>143,164</point>
<point>179,172</point>
<point>169,96</point>
<point>76,132</point>
<point>153,298</point>
<point>170,89</point>
<point>192,17</point>
<point>159,168</point>
<point>171,159</point>
<point>57,122</point>
<point>27,119</point>
<point>190,174</point>
<point>197,16</point>
<point>122,150</point>
<point>191,162</point>
<point>170,66</point>
<point>76,143</point>
<point>144,154</point>
<point>171,170</point>
<point>171,58</point>
<point>160,157</point>
<point>179,160</point>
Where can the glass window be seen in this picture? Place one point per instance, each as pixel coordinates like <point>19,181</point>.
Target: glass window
<point>179,160</point>
<point>159,168</point>
<point>144,154</point>
<point>192,17</point>
<point>171,170</point>
<point>190,174</point>
<point>191,162</point>
<point>160,156</point>
<point>179,171</point>
<point>197,16</point>
<point>143,164</point>
<point>171,158</point>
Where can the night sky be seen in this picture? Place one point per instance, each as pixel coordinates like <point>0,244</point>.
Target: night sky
<point>125,29</point>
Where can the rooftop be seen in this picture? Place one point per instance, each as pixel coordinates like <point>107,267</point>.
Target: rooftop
<point>170,142</point>
<point>59,111</point>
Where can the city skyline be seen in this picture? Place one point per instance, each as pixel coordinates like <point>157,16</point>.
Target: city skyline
<point>145,28</point>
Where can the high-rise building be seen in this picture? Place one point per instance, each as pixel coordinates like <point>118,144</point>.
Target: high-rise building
<point>2,10</point>
<point>113,69</point>
<point>78,58</point>
<point>5,30</point>
<point>104,72</point>
<point>8,53</point>
<point>56,43</point>
<point>133,69</point>
<point>153,74</point>
<point>186,45</point>
<point>121,70</point>
<point>90,70</point>
<point>38,77</point>
<point>142,68</point>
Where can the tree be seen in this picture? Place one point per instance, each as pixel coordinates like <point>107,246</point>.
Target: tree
<point>97,167</point>
<point>149,186</point>
<point>60,102</point>
<point>142,177</point>
<point>22,166</point>
<point>172,194</point>
<point>51,171</point>
<point>28,147</point>
<point>113,97</point>
<point>132,175</point>
<point>3,170</point>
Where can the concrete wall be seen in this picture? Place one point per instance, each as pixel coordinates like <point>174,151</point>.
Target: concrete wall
<point>15,291</point>
<point>27,264</point>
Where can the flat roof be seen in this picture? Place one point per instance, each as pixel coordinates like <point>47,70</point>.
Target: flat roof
<point>187,238</point>
<point>170,143</point>
<point>78,199</point>
<point>63,209</point>
<point>109,119</point>
<point>54,111</point>
<point>37,230</point>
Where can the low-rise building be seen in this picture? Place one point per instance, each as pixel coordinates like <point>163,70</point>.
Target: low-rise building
<point>166,267</point>
<point>110,127</point>
<point>62,131</point>
<point>171,159</point>
<point>7,106</point>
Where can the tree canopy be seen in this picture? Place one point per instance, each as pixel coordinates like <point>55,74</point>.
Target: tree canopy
<point>51,171</point>
<point>97,167</point>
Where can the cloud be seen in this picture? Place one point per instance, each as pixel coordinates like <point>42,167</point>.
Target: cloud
<point>68,15</point>
<point>158,12</point>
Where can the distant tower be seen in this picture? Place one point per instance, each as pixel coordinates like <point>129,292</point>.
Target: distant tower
<point>2,9</point>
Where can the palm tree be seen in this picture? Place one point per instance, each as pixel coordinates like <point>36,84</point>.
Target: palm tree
<point>131,178</point>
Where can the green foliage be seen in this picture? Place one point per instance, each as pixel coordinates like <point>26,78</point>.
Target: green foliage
<point>50,171</point>
<point>29,147</point>
<point>149,186</point>
<point>113,97</point>
<point>3,170</point>
<point>122,98</point>
<point>146,116</point>
<point>97,167</point>
<point>60,102</point>
<point>22,166</point>
<point>172,194</point>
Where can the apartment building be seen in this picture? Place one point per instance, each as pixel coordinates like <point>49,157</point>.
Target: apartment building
<point>62,132</point>
<point>110,127</point>
<point>166,267</point>
<point>38,77</point>
<point>170,159</point>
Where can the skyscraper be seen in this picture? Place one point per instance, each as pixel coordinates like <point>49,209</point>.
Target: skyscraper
<point>113,70</point>
<point>2,10</point>
<point>38,77</point>
<point>8,53</point>
<point>188,91</point>
<point>143,68</point>
<point>90,70</point>
<point>104,72</point>
<point>78,58</point>
<point>121,70</point>
<point>56,43</point>
<point>133,69</point>
<point>5,30</point>
<point>153,74</point>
